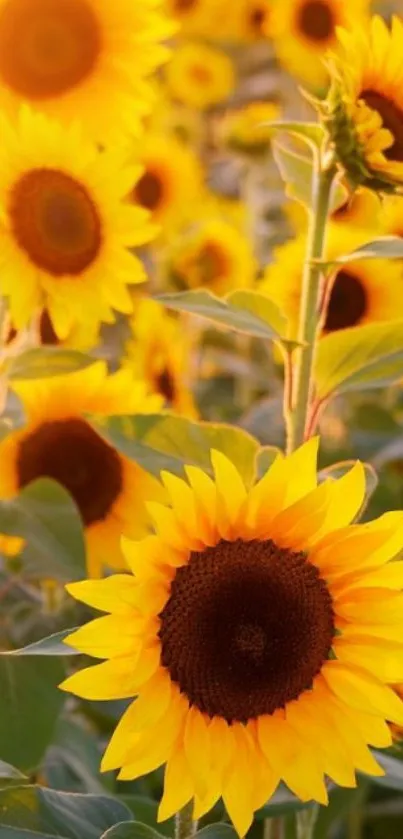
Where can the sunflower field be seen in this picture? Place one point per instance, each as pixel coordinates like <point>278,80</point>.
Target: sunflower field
<point>201,419</point>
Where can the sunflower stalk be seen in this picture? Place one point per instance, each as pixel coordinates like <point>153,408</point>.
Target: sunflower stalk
<point>324,171</point>
<point>185,825</point>
<point>306,821</point>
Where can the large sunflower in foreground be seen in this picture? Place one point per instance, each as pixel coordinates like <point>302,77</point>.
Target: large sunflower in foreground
<point>66,227</point>
<point>171,182</point>
<point>364,110</point>
<point>304,30</point>
<point>361,291</point>
<point>58,442</point>
<point>161,353</point>
<point>213,255</point>
<point>81,59</point>
<point>260,632</point>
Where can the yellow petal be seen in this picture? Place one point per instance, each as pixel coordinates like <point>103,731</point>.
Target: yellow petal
<point>361,691</point>
<point>109,595</point>
<point>178,786</point>
<point>108,637</point>
<point>197,749</point>
<point>301,471</point>
<point>266,497</point>
<point>291,759</point>
<point>113,679</point>
<point>384,606</point>
<point>385,662</point>
<point>231,492</point>
<point>239,783</point>
<point>346,497</point>
<point>182,501</point>
<point>205,493</point>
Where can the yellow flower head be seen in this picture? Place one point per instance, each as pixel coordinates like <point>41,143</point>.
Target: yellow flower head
<point>364,109</point>
<point>261,632</point>
<point>248,20</point>
<point>198,17</point>
<point>66,228</point>
<point>362,291</point>
<point>304,30</point>
<point>214,255</point>
<point>245,129</point>
<point>81,58</point>
<point>171,182</point>
<point>58,442</point>
<point>160,352</point>
<point>199,76</point>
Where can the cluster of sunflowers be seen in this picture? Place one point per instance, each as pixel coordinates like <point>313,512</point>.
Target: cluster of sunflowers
<point>252,641</point>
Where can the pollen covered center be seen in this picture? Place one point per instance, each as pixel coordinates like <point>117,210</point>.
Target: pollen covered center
<point>246,629</point>
<point>55,221</point>
<point>392,118</point>
<point>347,304</point>
<point>72,453</point>
<point>316,20</point>
<point>47,47</point>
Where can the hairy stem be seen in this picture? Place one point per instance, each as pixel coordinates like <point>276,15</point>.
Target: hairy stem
<point>185,827</point>
<point>296,419</point>
<point>306,821</point>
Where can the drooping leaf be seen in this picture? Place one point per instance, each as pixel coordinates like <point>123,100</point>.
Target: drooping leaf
<point>59,814</point>
<point>166,441</point>
<point>131,830</point>
<point>386,247</point>
<point>241,311</point>
<point>359,358</point>
<point>46,517</point>
<point>30,703</point>
<point>296,171</point>
<point>51,646</point>
<point>44,362</point>
<point>10,772</point>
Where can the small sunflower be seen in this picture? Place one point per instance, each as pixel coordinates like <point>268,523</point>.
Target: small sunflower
<point>260,631</point>
<point>81,58</point>
<point>360,209</point>
<point>160,352</point>
<point>213,255</point>
<point>362,291</point>
<point>364,109</point>
<point>66,228</point>
<point>304,30</point>
<point>171,182</point>
<point>58,442</point>
<point>199,76</point>
<point>250,19</point>
<point>41,333</point>
<point>245,129</point>
<point>197,17</point>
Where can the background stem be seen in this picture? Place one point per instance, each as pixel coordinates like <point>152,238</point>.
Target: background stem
<point>306,821</point>
<point>185,826</point>
<point>322,181</point>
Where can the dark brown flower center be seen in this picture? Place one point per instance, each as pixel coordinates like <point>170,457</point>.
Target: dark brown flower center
<point>212,263</point>
<point>47,47</point>
<point>257,19</point>
<point>246,629</point>
<point>392,118</point>
<point>184,5</point>
<point>347,304</point>
<point>72,453</point>
<point>165,385</point>
<point>55,222</point>
<point>316,20</point>
<point>47,334</point>
<point>149,191</point>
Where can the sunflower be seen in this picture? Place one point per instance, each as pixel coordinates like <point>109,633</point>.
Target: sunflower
<point>362,291</point>
<point>58,442</point>
<point>199,76</point>
<point>304,30</point>
<point>249,21</point>
<point>198,17</point>
<point>392,215</point>
<point>171,181</point>
<point>81,58</point>
<point>364,110</point>
<point>66,227</point>
<point>360,209</point>
<point>246,130</point>
<point>160,352</point>
<point>213,255</point>
<point>41,333</point>
<point>260,632</point>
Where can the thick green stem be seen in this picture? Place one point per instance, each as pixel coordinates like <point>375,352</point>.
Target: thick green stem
<point>322,181</point>
<point>306,821</point>
<point>185,827</point>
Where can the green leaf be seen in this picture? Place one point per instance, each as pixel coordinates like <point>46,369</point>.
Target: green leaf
<point>311,132</point>
<point>264,459</point>
<point>30,703</point>
<point>296,171</point>
<point>393,778</point>
<point>60,814</point>
<point>45,515</point>
<point>241,311</point>
<point>166,441</point>
<point>7,832</point>
<point>359,358</point>
<point>9,772</point>
<point>131,830</point>
<point>43,362</point>
<point>72,761</point>
<point>145,810</point>
<point>217,831</point>
<point>387,247</point>
<point>51,646</point>
<point>337,470</point>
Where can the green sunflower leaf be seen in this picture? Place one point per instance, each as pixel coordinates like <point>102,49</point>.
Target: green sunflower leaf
<point>10,772</point>
<point>217,831</point>
<point>359,358</point>
<point>166,441</point>
<point>45,516</point>
<point>296,171</point>
<point>51,646</point>
<point>312,133</point>
<point>242,311</point>
<point>44,362</point>
<point>131,830</point>
<point>47,812</point>
<point>30,703</point>
<point>386,247</point>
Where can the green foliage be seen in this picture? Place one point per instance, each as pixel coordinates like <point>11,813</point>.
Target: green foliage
<point>51,646</point>
<point>387,247</point>
<point>130,830</point>
<point>296,172</point>
<point>9,772</point>
<point>44,362</point>
<point>359,358</point>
